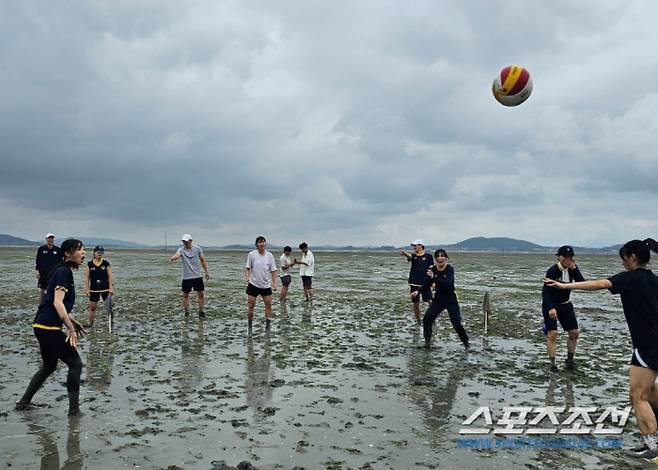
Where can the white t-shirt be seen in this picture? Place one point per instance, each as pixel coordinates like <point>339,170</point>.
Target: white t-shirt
<point>308,259</point>
<point>260,268</point>
<point>285,260</point>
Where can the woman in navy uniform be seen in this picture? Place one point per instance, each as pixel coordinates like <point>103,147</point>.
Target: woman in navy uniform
<point>98,281</point>
<point>442,275</point>
<point>638,288</point>
<point>54,312</point>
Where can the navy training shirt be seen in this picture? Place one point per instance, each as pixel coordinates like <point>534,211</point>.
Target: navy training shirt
<point>419,266</point>
<point>61,279</point>
<point>99,280</point>
<point>639,297</point>
<point>47,259</point>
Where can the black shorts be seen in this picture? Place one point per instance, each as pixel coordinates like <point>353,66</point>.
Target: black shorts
<point>95,296</point>
<point>196,284</point>
<point>426,294</point>
<point>647,358</point>
<point>42,282</point>
<point>254,291</point>
<point>307,282</point>
<point>565,315</point>
<point>286,280</point>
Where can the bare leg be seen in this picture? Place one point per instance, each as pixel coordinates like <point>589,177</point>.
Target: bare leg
<point>642,387</point>
<point>92,312</point>
<point>573,340</point>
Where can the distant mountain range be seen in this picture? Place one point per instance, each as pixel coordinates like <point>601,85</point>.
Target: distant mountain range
<point>471,244</point>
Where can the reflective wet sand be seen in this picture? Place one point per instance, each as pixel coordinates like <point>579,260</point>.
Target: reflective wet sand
<point>342,383</point>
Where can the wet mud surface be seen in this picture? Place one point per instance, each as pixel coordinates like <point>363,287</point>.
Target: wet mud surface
<point>342,383</point>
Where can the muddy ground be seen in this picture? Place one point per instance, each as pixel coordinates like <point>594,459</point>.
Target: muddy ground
<point>339,384</point>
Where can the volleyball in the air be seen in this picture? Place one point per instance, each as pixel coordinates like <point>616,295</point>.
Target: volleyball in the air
<point>512,86</point>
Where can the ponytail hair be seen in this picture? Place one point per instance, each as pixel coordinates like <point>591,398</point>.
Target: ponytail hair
<point>67,247</point>
<point>639,248</point>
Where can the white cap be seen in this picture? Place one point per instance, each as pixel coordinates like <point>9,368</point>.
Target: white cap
<point>417,241</point>
<point>48,235</point>
<point>186,237</point>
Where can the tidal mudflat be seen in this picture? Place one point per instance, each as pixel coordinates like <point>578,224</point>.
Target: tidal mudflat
<point>341,383</point>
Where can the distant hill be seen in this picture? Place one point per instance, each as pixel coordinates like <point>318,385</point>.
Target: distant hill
<point>9,240</point>
<point>470,244</point>
<point>496,244</point>
<point>90,242</point>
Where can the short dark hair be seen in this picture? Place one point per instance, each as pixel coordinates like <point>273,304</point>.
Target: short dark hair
<point>287,249</point>
<point>303,245</point>
<point>259,238</point>
<point>441,251</point>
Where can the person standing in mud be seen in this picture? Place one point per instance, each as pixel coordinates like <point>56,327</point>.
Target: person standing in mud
<point>442,275</point>
<point>306,270</point>
<point>98,281</point>
<point>193,260</point>
<point>638,288</point>
<point>260,275</point>
<point>420,263</point>
<point>54,312</point>
<point>48,256</point>
<point>556,306</point>
<point>286,272</point>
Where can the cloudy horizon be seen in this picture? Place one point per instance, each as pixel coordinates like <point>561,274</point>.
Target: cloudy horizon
<point>344,123</point>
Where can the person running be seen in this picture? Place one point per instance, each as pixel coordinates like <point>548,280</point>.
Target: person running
<point>556,306</point>
<point>48,256</point>
<point>306,270</point>
<point>53,312</point>
<point>260,275</point>
<point>442,275</point>
<point>193,260</point>
<point>420,263</point>
<point>286,270</point>
<point>98,281</point>
<point>638,288</point>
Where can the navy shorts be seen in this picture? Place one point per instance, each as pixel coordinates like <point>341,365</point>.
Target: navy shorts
<point>196,284</point>
<point>307,282</point>
<point>426,294</point>
<point>286,280</point>
<point>565,315</point>
<point>95,296</point>
<point>254,291</point>
<point>647,358</point>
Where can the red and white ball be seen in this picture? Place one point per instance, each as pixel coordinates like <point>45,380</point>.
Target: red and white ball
<point>512,86</point>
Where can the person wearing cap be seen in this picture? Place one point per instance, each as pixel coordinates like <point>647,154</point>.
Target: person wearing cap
<point>98,281</point>
<point>193,260</point>
<point>556,306</point>
<point>48,256</point>
<point>420,263</point>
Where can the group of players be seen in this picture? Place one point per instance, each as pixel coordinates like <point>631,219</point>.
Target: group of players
<point>636,285</point>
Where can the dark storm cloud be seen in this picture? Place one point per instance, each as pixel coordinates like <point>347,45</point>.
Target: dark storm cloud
<point>341,122</point>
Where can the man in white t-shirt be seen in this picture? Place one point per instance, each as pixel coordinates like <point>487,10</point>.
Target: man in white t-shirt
<point>306,269</point>
<point>286,272</point>
<point>193,261</point>
<point>260,275</point>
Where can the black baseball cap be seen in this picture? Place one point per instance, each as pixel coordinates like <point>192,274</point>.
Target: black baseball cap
<point>565,250</point>
<point>99,249</point>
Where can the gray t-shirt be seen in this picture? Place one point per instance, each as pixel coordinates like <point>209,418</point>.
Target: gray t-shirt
<point>260,268</point>
<point>191,261</point>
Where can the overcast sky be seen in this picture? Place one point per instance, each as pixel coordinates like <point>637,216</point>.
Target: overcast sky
<point>360,122</point>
